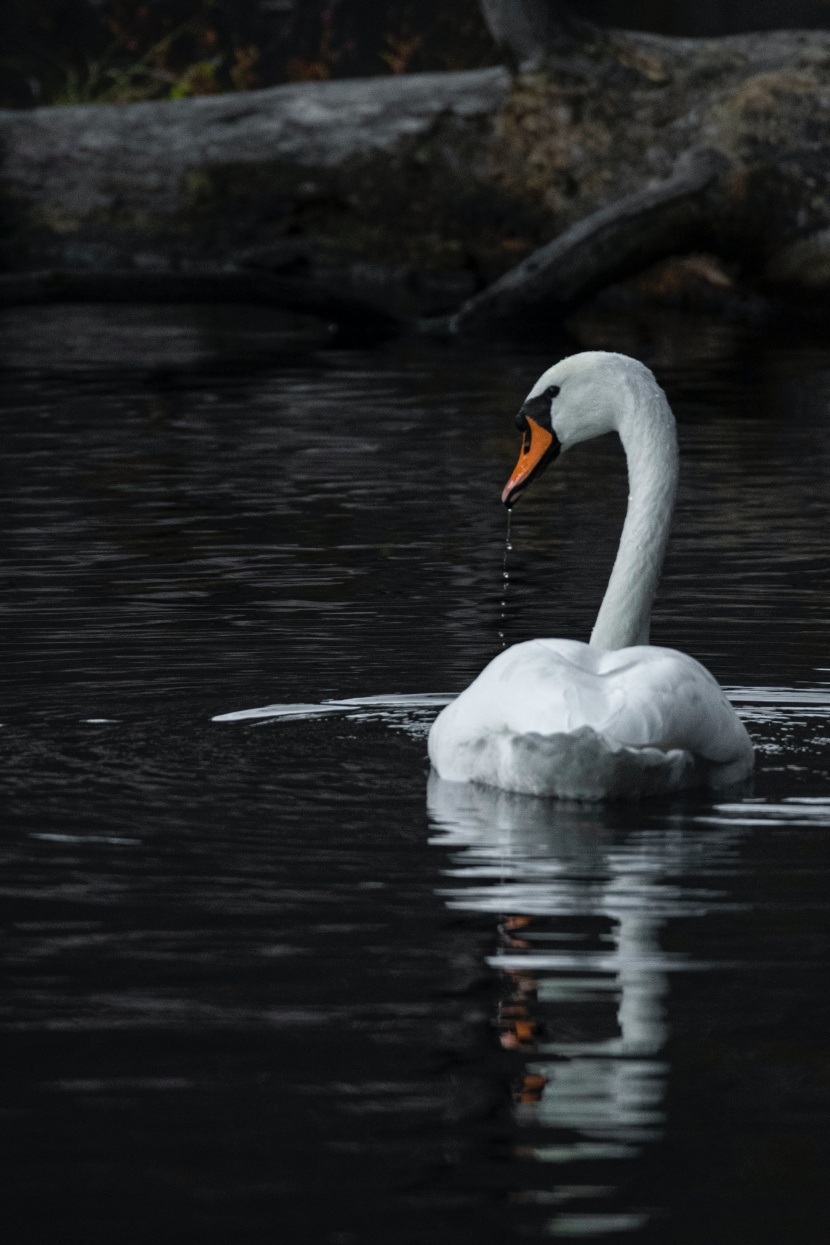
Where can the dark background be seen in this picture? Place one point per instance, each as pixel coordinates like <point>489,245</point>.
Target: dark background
<point>76,51</point>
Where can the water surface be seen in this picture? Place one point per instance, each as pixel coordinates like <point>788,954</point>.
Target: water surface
<point>264,976</point>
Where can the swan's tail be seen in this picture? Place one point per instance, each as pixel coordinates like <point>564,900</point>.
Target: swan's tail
<point>582,765</point>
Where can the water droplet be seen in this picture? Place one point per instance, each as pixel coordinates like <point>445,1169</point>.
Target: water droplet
<point>505,575</point>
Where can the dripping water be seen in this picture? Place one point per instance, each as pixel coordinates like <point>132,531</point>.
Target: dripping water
<point>505,584</point>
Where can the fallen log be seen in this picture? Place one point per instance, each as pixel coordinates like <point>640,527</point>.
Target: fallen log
<point>355,167</point>
<point>415,193</point>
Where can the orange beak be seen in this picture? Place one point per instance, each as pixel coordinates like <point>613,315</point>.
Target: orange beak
<point>539,448</point>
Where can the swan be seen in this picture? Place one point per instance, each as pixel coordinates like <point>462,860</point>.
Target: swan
<point>616,718</point>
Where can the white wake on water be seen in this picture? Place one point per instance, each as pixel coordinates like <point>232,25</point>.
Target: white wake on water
<point>410,712</point>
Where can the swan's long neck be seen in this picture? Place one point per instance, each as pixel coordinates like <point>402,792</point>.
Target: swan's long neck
<point>649,436</point>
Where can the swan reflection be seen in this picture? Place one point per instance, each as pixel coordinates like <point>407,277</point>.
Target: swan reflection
<point>579,894</point>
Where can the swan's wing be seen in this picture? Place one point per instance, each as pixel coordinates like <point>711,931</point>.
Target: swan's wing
<point>669,700</point>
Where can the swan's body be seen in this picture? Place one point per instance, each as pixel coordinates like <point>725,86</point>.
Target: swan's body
<point>561,718</point>
<point>616,718</point>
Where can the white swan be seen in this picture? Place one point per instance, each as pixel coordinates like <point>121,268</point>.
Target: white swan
<point>615,718</point>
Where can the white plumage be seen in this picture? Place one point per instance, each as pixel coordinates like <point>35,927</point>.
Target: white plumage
<point>616,718</point>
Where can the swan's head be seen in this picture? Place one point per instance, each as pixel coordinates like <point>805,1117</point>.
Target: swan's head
<point>578,398</point>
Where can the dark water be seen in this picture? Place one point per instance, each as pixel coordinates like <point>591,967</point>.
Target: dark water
<point>263,980</point>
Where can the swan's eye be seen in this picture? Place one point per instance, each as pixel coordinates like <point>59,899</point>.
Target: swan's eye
<point>539,409</point>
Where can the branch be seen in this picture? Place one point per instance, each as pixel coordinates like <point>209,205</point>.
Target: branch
<point>610,244</point>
